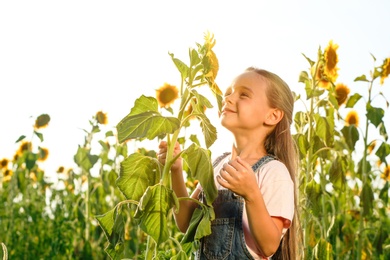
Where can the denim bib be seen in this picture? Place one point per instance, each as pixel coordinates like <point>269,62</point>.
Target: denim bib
<point>227,240</point>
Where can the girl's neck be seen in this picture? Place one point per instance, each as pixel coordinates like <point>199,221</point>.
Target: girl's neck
<point>250,152</point>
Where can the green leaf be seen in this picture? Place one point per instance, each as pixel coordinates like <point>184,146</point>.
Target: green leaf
<point>366,200</point>
<point>144,104</point>
<point>199,162</point>
<point>136,174</point>
<point>106,222</point>
<point>337,172</point>
<point>309,60</point>
<point>323,130</point>
<point>84,159</point>
<point>202,101</point>
<point>194,57</point>
<point>147,124</point>
<point>303,77</point>
<point>302,143</point>
<point>181,66</point>
<point>153,210</point>
<point>200,224</point>
<point>383,151</point>
<point>361,78</point>
<point>39,135</point>
<point>375,114</point>
<point>313,193</point>
<point>351,136</point>
<point>209,131</point>
<point>352,100</point>
<point>20,138</point>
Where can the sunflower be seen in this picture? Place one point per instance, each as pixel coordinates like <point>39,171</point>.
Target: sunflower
<point>166,95</point>
<point>352,118</point>
<point>101,118</point>
<point>385,70</point>
<point>342,92</point>
<point>4,163</point>
<point>42,121</point>
<point>331,59</point>
<point>43,154</point>
<point>7,175</point>
<point>24,146</point>
<point>212,64</point>
<point>386,173</point>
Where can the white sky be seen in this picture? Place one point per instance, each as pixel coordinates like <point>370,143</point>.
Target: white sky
<point>70,59</point>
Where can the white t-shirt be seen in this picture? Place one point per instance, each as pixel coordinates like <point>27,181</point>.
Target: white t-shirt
<point>277,189</point>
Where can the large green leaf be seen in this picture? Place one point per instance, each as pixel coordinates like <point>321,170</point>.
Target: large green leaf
<point>375,114</point>
<point>153,210</point>
<point>209,131</point>
<point>199,162</point>
<point>136,174</point>
<point>144,104</point>
<point>366,200</point>
<point>337,172</point>
<point>351,136</point>
<point>148,124</point>
<point>200,224</point>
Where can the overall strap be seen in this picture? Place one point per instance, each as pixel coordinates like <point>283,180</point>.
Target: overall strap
<point>256,166</point>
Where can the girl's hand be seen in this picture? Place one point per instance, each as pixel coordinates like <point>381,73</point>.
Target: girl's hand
<point>162,155</point>
<point>238,176</point>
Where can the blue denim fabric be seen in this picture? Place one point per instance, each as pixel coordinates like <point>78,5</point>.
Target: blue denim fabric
<point>227,240</point>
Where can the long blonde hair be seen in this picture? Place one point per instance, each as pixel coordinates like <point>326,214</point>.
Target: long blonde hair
<point>281,144</point>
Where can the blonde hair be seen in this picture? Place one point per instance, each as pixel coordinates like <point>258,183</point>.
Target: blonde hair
<point>281,144</point>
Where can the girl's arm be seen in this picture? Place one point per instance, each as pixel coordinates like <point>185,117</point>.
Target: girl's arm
<point>187,207</point>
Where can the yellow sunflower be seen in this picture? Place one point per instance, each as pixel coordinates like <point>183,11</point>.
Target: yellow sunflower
<point>352,118</point>
<point>385,70</point>
<point>101,118</point>
<point>342,92</point>
<point>331,60</point>
<point>4,163</point>
<point>386,173</point>
<point>42,121</point>
<point>166,95</point>
<point>212,65</point>
<point>24,146</point>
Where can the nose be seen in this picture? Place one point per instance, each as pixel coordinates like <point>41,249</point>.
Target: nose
<point>227,99</point>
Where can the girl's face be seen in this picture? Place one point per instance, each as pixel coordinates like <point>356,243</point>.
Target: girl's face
<point>245,105</point>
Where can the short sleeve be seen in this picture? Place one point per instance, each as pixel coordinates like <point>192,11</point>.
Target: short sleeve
<point>278,190</point>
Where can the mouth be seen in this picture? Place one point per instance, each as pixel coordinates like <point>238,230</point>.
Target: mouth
<point>227,110</point>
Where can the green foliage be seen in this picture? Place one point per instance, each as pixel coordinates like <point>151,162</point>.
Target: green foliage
<point>118,204</point>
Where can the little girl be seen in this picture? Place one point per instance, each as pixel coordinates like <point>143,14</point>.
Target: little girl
<point>256,204</point>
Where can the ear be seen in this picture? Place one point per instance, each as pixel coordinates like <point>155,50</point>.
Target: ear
<point>274,116</point>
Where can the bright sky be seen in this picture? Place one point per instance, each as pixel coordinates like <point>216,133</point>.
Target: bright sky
<point>70,59</point>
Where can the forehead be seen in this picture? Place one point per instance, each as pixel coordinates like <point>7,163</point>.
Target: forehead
<point>249,79</point>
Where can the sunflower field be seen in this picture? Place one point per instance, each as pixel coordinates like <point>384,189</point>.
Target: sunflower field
<point>118,203</point>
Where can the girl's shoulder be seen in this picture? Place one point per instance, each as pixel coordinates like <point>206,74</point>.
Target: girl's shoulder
<point>274,170</point>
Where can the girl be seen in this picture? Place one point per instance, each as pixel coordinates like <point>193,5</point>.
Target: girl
<point>255,209</point>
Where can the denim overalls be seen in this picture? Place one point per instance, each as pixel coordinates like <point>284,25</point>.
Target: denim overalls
<point>226,240</point>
